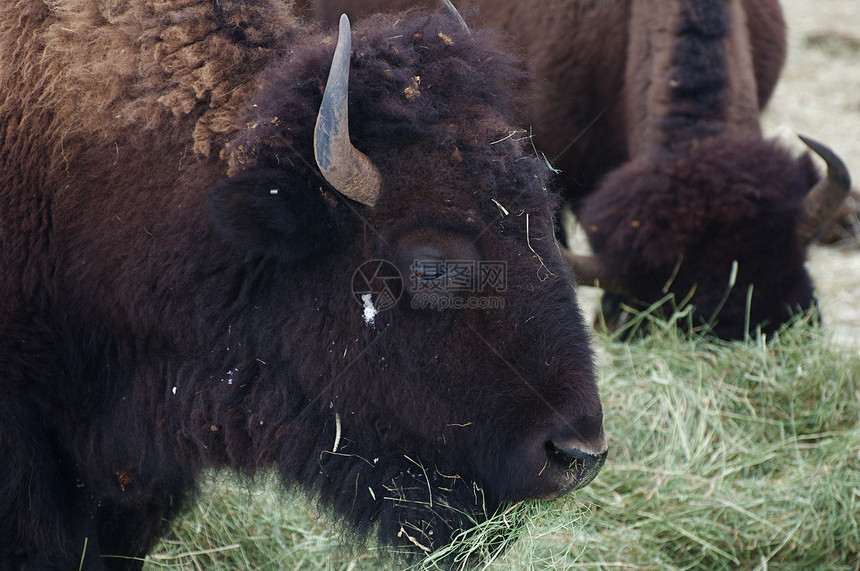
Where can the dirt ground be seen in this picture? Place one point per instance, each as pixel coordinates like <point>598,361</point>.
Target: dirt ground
<point>819,95</point>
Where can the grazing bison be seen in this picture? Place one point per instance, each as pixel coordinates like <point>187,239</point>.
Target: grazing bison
<point>651,110</point>
<point>177,276</point>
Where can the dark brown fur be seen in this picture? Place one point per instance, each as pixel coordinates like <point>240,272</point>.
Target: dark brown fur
<point>158,316</point>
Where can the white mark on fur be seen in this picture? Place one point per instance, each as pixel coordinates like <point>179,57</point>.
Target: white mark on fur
<point>229,375</point>
<point>369,311</point>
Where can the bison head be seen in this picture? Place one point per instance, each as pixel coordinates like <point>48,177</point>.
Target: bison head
<point>418,352</point>
<point>723,226</point>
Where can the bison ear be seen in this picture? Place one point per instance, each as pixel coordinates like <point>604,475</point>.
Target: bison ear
<point>268,212</point>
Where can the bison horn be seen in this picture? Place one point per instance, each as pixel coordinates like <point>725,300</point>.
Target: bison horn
<point>453,13</point>
<point>825,198</point>
<point>588,271</point>
<point>346,168</point>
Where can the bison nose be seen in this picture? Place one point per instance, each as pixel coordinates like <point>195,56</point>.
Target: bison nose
<point>579,449</point>
<point>584,434</point>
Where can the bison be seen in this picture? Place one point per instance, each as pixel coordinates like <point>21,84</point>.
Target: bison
<point>651,111</point>
<point>189,198</point>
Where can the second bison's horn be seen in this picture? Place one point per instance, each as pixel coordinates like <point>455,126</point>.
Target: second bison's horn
<point>453,13</point>
<point>346,168</point>
<point>825,198</point>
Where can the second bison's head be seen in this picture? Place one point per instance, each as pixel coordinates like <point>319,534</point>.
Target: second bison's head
<point>723,226</point>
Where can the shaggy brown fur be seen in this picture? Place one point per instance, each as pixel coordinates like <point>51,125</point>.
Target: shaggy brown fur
<point>158,317</point>
<point>106,66</point>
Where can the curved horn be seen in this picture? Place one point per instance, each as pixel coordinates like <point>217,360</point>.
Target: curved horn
<point>587,271</point>
<point>825,198</point>
<point>346,168</point>
<point>453,13</point>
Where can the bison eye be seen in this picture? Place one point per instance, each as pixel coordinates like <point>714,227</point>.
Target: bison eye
<point>429,271</point>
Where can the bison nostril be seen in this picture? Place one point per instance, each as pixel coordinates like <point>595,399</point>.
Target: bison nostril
<point>582,465</point>
<point>579,448</point>
<point>572,457</point>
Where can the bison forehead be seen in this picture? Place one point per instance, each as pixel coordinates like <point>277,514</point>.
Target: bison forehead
<point>734,197</point>
<point>405,88</point>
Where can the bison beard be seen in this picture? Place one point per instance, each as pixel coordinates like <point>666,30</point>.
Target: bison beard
<point>176,285</point>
